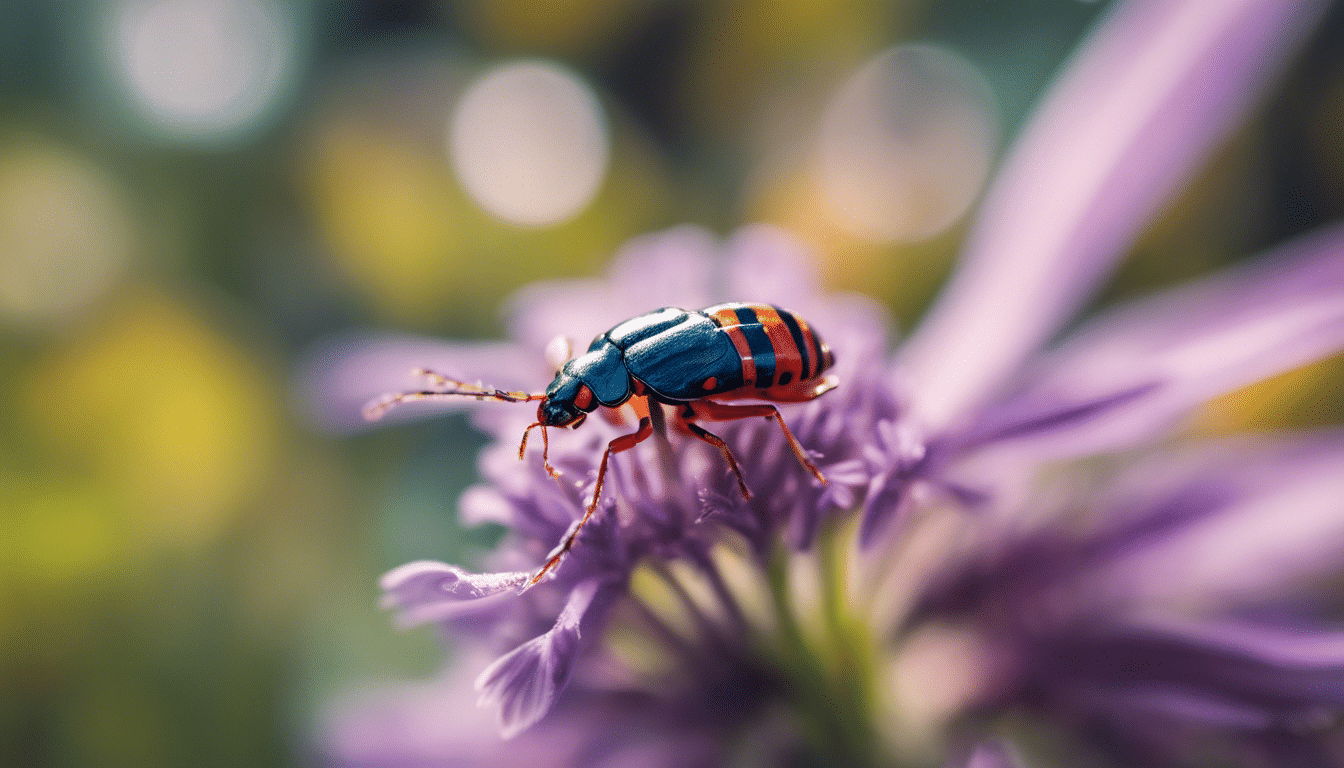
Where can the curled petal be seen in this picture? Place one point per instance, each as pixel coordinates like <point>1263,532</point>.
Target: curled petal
<point>1132,374</point>
<point>1153,89</point>
<point>522,685</point>
<point>426,591</point>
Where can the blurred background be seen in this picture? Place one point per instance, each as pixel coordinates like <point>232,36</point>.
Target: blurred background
<point>195,192</point>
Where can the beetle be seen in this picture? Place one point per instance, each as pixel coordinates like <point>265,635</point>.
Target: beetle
<point>696,361</point>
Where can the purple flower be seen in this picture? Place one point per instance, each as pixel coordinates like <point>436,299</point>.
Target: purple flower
<point>1087,602</point>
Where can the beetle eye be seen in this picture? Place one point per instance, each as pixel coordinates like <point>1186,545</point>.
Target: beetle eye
<point>584,398</point>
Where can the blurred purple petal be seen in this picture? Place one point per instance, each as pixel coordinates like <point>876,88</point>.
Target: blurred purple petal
<point>669,268</point>
<point>337,379</point>
<point>423,590</point>
<point>1232,675</point>
<point>1218,521</point>
<point>985,754</point>
<point>1156,87</point>
<point>1286,529</point>
<point>522,685</point>
<point>1132,374</point>
<point>769,264</point>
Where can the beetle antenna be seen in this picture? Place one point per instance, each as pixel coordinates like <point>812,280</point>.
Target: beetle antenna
<point>446,389</point>
<point>545,449</point>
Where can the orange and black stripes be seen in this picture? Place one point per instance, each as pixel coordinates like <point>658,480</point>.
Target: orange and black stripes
<point>777,347</point>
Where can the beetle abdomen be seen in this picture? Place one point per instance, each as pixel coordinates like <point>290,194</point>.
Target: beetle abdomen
<point>777,348</point>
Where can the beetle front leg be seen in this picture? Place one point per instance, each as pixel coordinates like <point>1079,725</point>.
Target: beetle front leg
<point>622,443</point>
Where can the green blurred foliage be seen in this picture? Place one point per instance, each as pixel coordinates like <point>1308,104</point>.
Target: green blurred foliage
<point>187,569</point>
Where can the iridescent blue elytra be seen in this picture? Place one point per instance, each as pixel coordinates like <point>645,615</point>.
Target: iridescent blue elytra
<point>693,360</point>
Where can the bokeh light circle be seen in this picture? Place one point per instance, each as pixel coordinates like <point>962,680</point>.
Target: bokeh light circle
<point>529,142</point>
<point>906,144</point>
<point>65,233</point>
<point>202,70</point>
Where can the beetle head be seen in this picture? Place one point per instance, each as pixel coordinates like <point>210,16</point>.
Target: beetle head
<point>568,401</point>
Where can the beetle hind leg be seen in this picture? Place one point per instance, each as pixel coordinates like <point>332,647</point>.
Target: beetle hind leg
<point>712,411</point>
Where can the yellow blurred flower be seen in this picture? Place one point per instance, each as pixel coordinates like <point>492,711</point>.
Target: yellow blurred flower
<point>65,231</point>
<point>171,417</point>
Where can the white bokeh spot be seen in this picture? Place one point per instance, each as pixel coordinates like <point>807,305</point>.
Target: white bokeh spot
<point>202,70</point>
<point>906,144</point>
<point>529,142</point>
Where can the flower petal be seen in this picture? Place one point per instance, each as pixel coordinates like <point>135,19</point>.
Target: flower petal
<point>523,684</point>
<point>984,754</point>
<point>335,380</point>
<point>1203,525</point>
<point>668,268</point>
<point>1153,89</point>
<point>1289,671</point>
<point>1283,531</point>
<point>766,263</point>
<point>426,590</point>
<point>1130,375</point>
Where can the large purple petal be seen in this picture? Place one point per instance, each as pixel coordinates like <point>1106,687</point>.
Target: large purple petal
<point>1150,93</point>
<point>1132,374</point>
<point>335,380</point>
<point>1285,531</point>
<point>1207,525</point>
<point>1232,675</point>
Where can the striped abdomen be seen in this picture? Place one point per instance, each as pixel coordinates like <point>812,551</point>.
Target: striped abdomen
<point>777,347</point>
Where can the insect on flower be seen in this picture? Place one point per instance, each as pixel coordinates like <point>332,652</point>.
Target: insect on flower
<point>691,360</point>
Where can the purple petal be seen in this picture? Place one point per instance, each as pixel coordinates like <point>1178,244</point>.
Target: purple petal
<point>1157,86</point>
<point>433,723</point>
<point>425,590</point>
<point>1132,374</point>
<point>1284,531</point>
<point>523,684</point>
<point>1286,670</point>
<point>768,264</point>
<point>887,502</point>
<point>843,480</point>
<point>335,380</point>
<point>984,754</point>
<point>669,268</point>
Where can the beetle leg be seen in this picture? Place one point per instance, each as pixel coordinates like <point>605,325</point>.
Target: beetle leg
<point>622,443</point>
<point>712,411</point>
<point>717,442</point>
<point>545,449</point>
